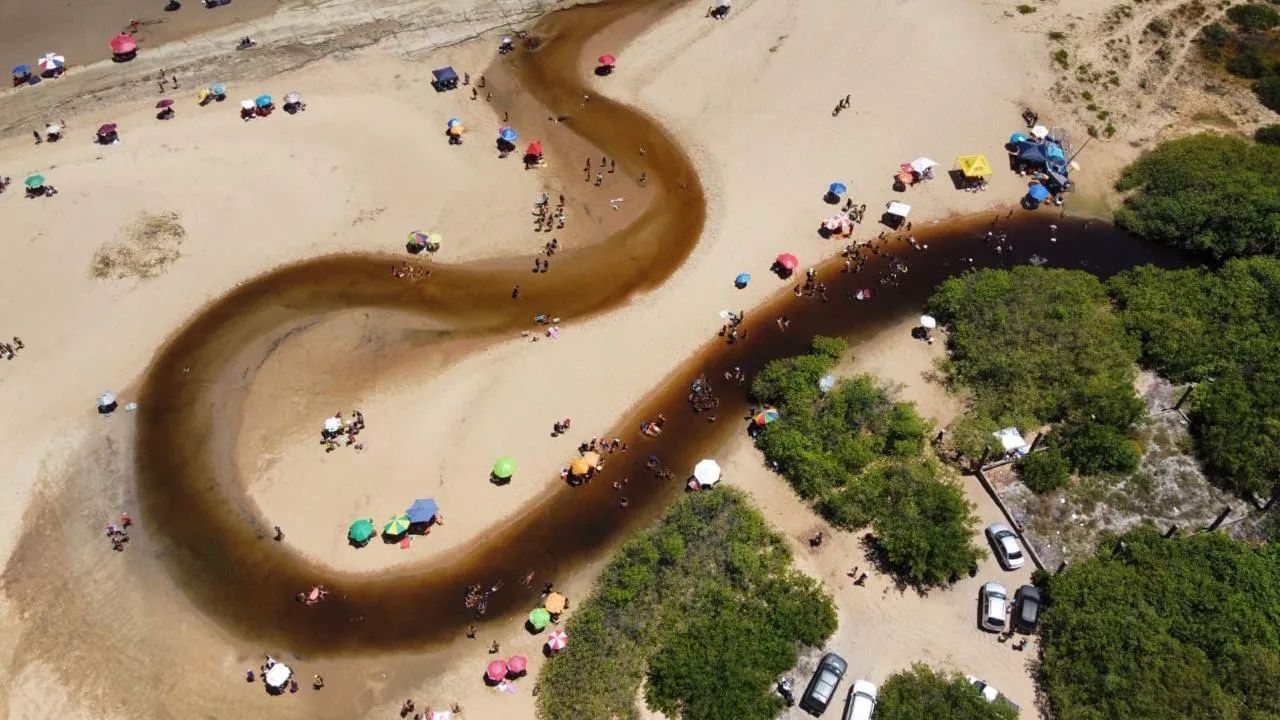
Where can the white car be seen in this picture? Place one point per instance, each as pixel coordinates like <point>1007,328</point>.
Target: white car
<point>862,701</point>
<point>1005,542</point>
<point>993,605</point>
<point>989,693</point>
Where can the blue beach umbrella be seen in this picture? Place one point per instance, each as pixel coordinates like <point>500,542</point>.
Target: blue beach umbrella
<point>508,134</point>
<point>837,188</point>
<point>21,70</point>
<point>1038,192</point>
<point>218,89</point>
<point>452,122</point>
<point>1017,138</point>
<point>742,280</point>
<point>263,100</point>
<point>422,510</point>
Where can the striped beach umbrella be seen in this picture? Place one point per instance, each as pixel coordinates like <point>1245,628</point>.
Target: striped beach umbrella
<point>766,416</point>
<point>557,639</point>
<point>52,61</point>
<point>398,525</point>
<point>360,531</point>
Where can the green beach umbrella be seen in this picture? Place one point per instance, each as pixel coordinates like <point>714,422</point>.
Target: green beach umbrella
<point>361,530</point>
<point>539,618</point>
<point>398,525</point>
<point>35,181</point>
<point>504,468</point>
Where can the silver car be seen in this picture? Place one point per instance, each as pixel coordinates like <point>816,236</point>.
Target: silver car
<point>1005,544</point>
<point>993,605</point>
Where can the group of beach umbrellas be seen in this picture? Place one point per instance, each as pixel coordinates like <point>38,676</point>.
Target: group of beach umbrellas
<point>423,511</point>
<point>48,62</point>
<point>498,670</point>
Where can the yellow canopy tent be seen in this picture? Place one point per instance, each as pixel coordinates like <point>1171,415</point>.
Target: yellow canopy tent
<point>974,165</point>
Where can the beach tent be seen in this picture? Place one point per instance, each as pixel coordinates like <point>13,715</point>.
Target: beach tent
<point>497,670</point>
<point>539,617</point>
<point>517,664</point>
<point>707,472</point>
<point>504,468</point>
<point>555,603</point>
<point>444,79</point>
<point>360,531</point>
<point>1011,440</point>
<point>1038,192</point>
<point>278,675</point>
<point>397,525</point>
<point>921,164</point>
<point>900,209</point>
<point>974,165</point>
<point>423,510</point>
<point>557,639</point>
<point>1030,152</point>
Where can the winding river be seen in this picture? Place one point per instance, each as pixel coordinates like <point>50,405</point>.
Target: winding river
<point>184,469</point>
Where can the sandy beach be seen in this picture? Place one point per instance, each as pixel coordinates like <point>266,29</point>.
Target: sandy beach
<point>750,100</point>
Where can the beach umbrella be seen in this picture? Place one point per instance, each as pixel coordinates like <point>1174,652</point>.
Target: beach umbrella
<point>580,466</point>
<point>435,238</point>
<point>263,101</point>
<point>555,603</point>
<point>539,617</point>
<point>921,164</point>
<point>508,134</point>
<point>766,416</point>
<point>837,188</point>
<point>788,261</point>
<point>900,209</point>
<point>246,104</point>
<point>218,90</point>
<point>1040,131</point>
<point>557,639</point>
<point>278,675</point>
<point>52,61</point>
<point>332,424</point>
<point>106,128</point>
<point>535,148</point>
<point>21,70</point>
<point>456,130</point>
<point>608,60</point>
<point>422,510</point>
<point>927,322</point>
<point>292,97</point>
<point>1017,138</point>
<point>419,238</point>
<point>106,399</point>
<point>707,473</point>
<point>452,122</point>
<point>826,382</point>
<point>35,181</point>
<point>517,664</point>
<point>123,44</point>
<point>164,103</point>
<point>53,130</point>
<point>1038,192</point>
<point>396,526</point>
<point>504,468</point>
<point>974,165</point>
<point>497,670</point>
<point>360,531</point>
<point>742,280</point>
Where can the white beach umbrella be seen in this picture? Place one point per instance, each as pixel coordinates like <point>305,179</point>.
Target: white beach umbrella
<point>332,424</point>
<point>278,675</point>
<point>1040,131</point>
<point>927,322</point>
<point>54,129</point>
<point>921,164</point>
<point>247,105</point>
<point>707,473</point>
<point>107,399</point>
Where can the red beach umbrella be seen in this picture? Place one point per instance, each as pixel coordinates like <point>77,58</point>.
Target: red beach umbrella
<point>123,44</point>
<point>497,670</point>
<point>535,148</point>
<point>557,639</point>
<point>788,261</point>
<point>164,103</point>
<point>517,664</point>
<point>608,60</point>
<point>107,129</point>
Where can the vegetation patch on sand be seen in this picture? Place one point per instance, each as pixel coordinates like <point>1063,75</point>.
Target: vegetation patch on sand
<point>857,455</point>
<point>1151,628</point>
<point>922,692</point>
<point>142,249</point>
<point>704,606</point>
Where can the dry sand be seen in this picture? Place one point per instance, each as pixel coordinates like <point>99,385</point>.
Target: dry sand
<point>751,98</point>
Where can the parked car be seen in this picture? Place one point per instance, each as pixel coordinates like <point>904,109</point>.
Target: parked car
<point>993,604</point>
<point>824,683</point>
<point>862,701</point>
<point>1026,609</point>
<point>990,694</point>
<point>1005,543</point>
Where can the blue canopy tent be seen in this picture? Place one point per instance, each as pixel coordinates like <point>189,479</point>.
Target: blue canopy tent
<point>422,511</point>
<point>1030,152</point>
<point>444,79</point>
<point>1038,193</point>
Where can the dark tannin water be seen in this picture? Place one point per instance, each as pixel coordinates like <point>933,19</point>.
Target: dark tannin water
<point>214,542</point>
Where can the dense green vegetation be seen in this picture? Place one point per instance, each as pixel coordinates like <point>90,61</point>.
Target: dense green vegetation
<point>1267,135</point>
<point>1151,629</point>
<point>1213,194</point>
<point>1248,46</point>
<point>1044,471</point>
<point>709,587</point>
<point>923,692</point>
<point>857,456</point>
<point>1220,329</point>
<point>1035,346</point>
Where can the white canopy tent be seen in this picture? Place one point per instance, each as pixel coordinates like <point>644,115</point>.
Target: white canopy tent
<point>1011,440</point>
<point>900,209</point>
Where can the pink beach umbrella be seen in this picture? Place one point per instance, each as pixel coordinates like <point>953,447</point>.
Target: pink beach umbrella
<point>557,639</point>
<point>497,670</point>
<point>517,664</point>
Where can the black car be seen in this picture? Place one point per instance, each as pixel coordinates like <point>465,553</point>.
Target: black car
<point>1026,609</point>
<point>822,688</point>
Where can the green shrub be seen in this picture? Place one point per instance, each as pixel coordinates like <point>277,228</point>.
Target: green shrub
<point>1060,57</point>
<point>1092,448</point>
<point>1044,471</point>
<point>1213,39</point>
<point>1026,9</point>
<point>1267,135</point>
<point>1254,17</point>
<point>1248,63</point>
<point>923,692</point>
<point>1268,91</point>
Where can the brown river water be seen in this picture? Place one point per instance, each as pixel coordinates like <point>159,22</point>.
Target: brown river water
<point>216,546</point>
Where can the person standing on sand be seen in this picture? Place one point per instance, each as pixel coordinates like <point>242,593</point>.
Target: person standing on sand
<point>599,179</point>
<point>279,534</point>
<point>515,292</point>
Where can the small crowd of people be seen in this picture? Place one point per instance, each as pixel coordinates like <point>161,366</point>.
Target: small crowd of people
<point>409,707</point>
<point>10,350</point>
<point>544,219</point>
<point>841,106</point>
<point>119,534</point>
<point>406,270</point>
<point>349,429</point>
<point>731,331</point>
<point>477,597</point>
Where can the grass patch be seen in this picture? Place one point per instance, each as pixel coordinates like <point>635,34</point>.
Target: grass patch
<point>1060,57</point>
<point>142,249</point>
<point>1026,9</point>
<point>710,586</point>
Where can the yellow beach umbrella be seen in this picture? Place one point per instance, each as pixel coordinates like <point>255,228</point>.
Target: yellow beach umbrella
<point>555,603</point>
<point>974,165</point>
<point>580,466</point>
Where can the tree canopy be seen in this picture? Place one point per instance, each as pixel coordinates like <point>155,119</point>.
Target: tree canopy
<point>1213,194</point>
<point>710,586</point>
<point>1152,628</point>
<point>923,692</point>
<point>1222,330</point>
<point>858,457</point>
